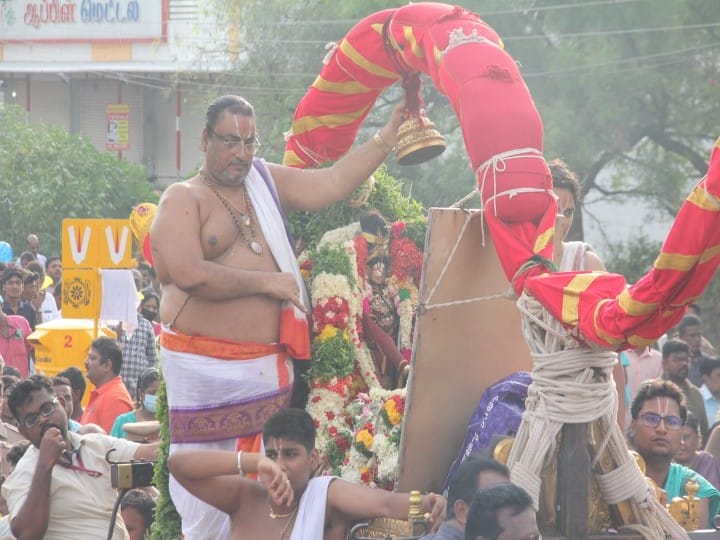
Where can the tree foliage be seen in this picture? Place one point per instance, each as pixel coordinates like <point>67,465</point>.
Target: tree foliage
<point>48,174</point>
<point>386,197</point>
<point>632,258</point>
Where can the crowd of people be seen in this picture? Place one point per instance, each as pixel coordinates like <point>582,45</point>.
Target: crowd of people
<point>56,480</point>
<point>228,314</point>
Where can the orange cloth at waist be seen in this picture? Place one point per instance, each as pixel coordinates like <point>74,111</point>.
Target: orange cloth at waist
<point>222,349</point>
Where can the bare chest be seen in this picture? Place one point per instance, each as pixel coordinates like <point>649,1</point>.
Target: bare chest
<point>259,525</point>
<point>233,239</point>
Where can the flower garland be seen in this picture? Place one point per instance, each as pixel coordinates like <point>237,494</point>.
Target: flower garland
<point>358,422</point>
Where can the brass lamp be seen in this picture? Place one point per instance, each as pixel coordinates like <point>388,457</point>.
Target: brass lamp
<point>418,141</point>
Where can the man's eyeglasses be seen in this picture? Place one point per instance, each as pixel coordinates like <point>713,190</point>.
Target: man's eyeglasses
<point>46,410</point>
<point>250,145</point>
<point>652,420</point>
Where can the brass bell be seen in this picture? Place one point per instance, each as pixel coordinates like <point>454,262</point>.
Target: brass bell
<point>418,141</point>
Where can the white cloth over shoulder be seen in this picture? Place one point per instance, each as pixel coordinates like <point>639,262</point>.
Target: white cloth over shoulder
<point>573,257</point>
<point>310,521</point>
<point>273,227</point>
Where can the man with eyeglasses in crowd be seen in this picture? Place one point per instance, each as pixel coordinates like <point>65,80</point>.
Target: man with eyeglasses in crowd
<point>234,304</point>
<point>658,415</point>
<point>61,487</point>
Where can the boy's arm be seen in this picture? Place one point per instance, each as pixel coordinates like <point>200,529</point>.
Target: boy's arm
<point>361,502</point>
<point>213,476</point>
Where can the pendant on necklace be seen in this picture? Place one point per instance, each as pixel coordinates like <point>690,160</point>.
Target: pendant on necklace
<point>246,221</point>
<point>256,247</point>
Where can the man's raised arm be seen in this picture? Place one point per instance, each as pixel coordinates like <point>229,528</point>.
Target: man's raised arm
<point>314,189</point>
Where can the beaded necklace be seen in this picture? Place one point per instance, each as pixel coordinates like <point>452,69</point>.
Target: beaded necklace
<point>289,521</point>
<point>244,220</point>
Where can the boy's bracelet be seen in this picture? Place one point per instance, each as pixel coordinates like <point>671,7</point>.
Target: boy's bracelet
<point>240,470</point>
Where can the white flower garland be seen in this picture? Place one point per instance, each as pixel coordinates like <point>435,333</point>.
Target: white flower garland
<point>330,407</point>
<point>341,235</point>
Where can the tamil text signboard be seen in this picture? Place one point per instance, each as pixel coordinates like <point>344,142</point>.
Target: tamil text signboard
<point>83,21</point>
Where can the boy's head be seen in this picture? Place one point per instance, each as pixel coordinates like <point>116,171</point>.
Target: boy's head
<point>291,424</point>
<point>289,439</point>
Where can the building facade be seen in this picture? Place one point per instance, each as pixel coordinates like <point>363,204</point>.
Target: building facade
<point>133,77</point>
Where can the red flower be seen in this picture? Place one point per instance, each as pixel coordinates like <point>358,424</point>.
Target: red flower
<point>361,249</point>
<point>399,404</point>
<point>330,415</point>
<point>332,430</point>
<point>333,311</point>
<point>342,444</point>
<point>306,265</point>
<point>366,475</point>
<point>405,259</point>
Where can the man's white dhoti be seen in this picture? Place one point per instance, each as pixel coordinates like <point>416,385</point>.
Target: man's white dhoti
<point>213,401</point>
<point>310,520</point>
<point>219,390</point>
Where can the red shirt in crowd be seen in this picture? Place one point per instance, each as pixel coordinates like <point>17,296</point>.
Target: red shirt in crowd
<point>106,403</point>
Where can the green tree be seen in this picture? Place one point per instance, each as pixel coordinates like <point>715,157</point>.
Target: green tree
<point>633,258</point>
<point>48,174</point>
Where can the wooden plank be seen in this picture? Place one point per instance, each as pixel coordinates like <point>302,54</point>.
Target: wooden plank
<point>573,470</point>
<point>459,350</point>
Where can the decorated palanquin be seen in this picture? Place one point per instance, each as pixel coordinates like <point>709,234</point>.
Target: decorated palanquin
<point>572,322</point>
<point>357,407</point>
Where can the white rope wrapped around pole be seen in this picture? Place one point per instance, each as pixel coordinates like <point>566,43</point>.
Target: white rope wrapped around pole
<point>573,384</point>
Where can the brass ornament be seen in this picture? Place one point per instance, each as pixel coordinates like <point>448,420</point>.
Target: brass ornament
<point>685,510</point>
<point>501,452</point>
<point>418,141</point>
<point>395,529</point>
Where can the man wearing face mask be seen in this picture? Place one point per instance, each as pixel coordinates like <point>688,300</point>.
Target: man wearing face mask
<point>147,386</point>
<point>139,353</point>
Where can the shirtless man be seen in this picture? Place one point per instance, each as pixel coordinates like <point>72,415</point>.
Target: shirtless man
<point>287,503</point>
<point>233,305</point>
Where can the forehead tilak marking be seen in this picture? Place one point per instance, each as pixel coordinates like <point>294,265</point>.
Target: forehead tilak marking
<point>238,129</point>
